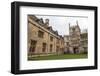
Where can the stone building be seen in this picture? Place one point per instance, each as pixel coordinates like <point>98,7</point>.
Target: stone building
<point>42,39</point>
<point>84,42</point>
<point>76,41</point>
<point>66,44</point>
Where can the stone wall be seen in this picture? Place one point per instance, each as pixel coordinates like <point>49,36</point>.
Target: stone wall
<point>50,45</point>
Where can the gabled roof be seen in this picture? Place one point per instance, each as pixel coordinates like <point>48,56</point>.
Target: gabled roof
<point>42,23</point>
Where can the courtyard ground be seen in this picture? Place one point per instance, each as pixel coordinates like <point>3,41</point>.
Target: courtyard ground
<point>55,57</point>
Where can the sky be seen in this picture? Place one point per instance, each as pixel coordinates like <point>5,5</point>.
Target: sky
<point>61,23</point>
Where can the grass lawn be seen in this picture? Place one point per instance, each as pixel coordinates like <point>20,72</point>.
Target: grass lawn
<point>63,56</point>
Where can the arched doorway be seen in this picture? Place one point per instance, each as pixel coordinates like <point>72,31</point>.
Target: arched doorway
<point>75,50</point>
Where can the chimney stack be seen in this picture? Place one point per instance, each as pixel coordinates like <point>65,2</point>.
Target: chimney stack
<point>47,21</point>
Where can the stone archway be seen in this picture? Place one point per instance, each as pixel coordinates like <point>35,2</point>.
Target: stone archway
<point>75,50</point>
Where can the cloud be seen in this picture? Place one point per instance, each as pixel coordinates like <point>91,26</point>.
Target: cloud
<point>61,24</point>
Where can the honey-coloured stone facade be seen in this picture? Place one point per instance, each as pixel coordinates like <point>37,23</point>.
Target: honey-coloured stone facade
<point>76,41</point>
<point>42,39</point>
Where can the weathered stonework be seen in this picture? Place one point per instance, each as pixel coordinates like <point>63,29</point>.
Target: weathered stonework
<point>42,39</point>
<point>76,42</point>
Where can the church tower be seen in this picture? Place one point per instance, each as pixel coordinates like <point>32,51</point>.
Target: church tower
<point>74,35</point>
